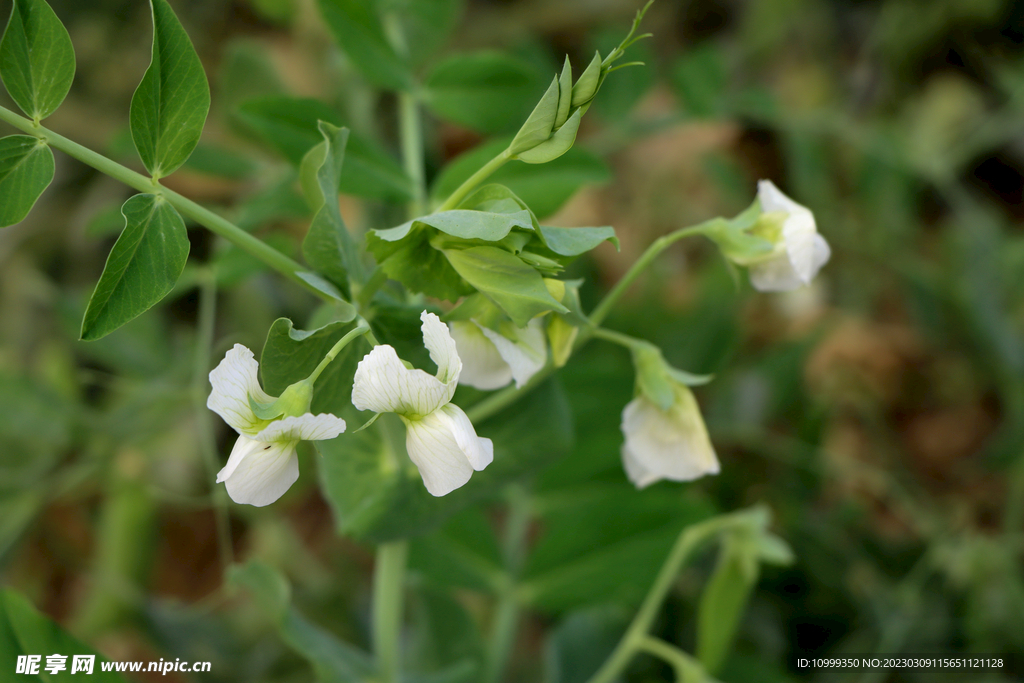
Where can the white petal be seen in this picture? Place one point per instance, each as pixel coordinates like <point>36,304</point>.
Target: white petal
<point>482,366</point>
<point>441,347</point>
<point>258,473</point>
<point>635,470</point>
<point>798,233</point>
<point>774,275</point>
<point>670,444</point>
<point>307,427</point>
<point>233,381</point>
<point>822,253</point>
<point>445,448</point>
<point>384,385</point>
<point>772,199</point>
<point>526,354</point>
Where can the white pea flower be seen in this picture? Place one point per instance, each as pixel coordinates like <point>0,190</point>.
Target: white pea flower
<point>263,463</point>
<point>440,438</point>
<point>666,444</point>
<point>800,251</point>
<point>490,359</point>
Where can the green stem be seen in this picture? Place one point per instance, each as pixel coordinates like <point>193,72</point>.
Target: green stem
<point>204,422</point>
<point>411,131</point>
<point>388,594</point>
<point>690,540</point>
<point>362,328</point>
<point>682,664</point>
<point>653,251</point>
<point>471,183</point>
<point>506,619</point>
<point>617,338</point>
<point>214,223</point>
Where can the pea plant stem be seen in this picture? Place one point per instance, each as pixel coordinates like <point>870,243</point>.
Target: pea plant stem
<point>506,617</point>
<point>388,599</point>
<point>205,431</point>
<point>186,207</point>
<point>474,180</point>
<point>692,539</point>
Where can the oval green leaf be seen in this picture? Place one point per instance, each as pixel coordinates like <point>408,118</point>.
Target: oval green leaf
<point>37,60</point>
<point>504,279</point>
<point>26,168</point>
<point>170,105</point>
<point>143,266</point>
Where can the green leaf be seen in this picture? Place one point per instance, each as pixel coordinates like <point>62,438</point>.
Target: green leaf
<point>170,105</point>
<point>425,24</point>
<point>485,91</point>
<point>444,636</point>
<point>24,631</point>
<point>358,29</point>
<point>333,660</point>
<point>417,265</point>
<point>503,277</point>
<point>143,266</point>
<point>464,553</point>
<point>603,542</point>
<point>26,169</point>
<point>576,241</point>
<point>543,187</point>
<point>470,225</point>
<point>290,125</point>
<point>578,646</point>
<point>37,60</point>
<point>328,246</point>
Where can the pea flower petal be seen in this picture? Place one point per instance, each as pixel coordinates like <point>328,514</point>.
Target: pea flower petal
<point>234,380</point>
<point>493,359</point>
<point>803,251</point>
<point>384,385</point>
<point>440,439</point>
<point>666,444</point>
<point>445,449</point>
<point>263,463</point>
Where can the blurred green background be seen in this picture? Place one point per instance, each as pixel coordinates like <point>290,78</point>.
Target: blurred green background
<point>879,412</point>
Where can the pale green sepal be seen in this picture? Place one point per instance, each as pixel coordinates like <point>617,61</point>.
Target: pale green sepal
<point>558,145</point>
<point>265,411</point>
<point>564,94</point>
<point>561,336</point>
<point>589,80</point>
<point>736,242</point>
<point>368,423</point>
<point>541,122</point>
<point>771,549</point>
<point>652,374</point>
<point>688,378</point>
<point>295,400</point>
